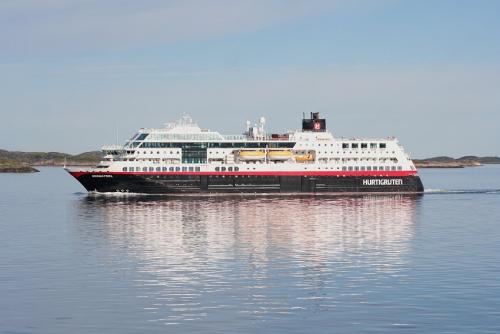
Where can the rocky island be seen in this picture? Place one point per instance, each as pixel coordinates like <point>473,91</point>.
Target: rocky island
<point>448,162</point>
<point>11,166</point>
<point>25,162</point>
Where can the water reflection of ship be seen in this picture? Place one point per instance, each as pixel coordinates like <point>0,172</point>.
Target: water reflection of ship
<point>212,243</point>
<point>331,225</point>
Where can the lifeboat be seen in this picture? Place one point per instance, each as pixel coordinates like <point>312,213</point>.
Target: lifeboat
<point>251,155</point>
<point>279,155</point>
<point>304,157</point>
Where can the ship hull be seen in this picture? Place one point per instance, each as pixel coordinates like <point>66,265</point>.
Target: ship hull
<point>165,183</point>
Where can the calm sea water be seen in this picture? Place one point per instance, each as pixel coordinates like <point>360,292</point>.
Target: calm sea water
<point>73,263</point>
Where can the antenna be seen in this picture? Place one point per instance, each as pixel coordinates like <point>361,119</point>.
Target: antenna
<point>116,133</point>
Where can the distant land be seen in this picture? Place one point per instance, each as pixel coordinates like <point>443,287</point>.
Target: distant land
<point>448,162</point>
<point>25,162</point>
<point>12,166</point>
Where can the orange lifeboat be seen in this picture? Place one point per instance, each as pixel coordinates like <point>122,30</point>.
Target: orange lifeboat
<point>279,155</point>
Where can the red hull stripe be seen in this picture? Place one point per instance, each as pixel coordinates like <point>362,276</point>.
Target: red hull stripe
<point>264,173</point>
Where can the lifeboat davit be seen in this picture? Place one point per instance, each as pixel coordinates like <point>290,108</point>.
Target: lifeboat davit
<point>279,155</point>
<point>252,155</point>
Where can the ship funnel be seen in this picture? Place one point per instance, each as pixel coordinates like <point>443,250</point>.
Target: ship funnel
<point>314,123</point>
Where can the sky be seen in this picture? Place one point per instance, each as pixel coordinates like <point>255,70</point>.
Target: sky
<point>77,74</point>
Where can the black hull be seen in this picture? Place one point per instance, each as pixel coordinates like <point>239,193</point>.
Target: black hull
<point>175,184</point>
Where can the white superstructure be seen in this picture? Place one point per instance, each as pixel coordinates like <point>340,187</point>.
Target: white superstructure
<point>185,147</point>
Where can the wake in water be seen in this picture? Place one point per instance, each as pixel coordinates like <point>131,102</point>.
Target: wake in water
<point>462,191</point>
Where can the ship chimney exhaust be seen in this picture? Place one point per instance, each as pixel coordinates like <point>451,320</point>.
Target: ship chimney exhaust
<point>314,124</point>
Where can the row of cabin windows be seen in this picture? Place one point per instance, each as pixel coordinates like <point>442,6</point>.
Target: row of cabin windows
<point>372,168</point>
<point>235,169</point>
<point>229,169</point>
<point>338,152</point>
<point>152,152</point>
<point>161,169</point>
<point>364,145</point>
<point>394,160</point>
<point>177,152</point>
<point>205,145</point>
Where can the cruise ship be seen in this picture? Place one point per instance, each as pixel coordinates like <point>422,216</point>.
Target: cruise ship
<point>182,158</point>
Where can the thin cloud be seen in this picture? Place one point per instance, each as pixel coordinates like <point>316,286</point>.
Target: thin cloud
<point>27,27</point>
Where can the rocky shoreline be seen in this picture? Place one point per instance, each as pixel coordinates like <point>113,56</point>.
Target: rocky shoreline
<point>433,164</point>
<point>448,162</point>
<point>7,166</point>
<point>26,162</point>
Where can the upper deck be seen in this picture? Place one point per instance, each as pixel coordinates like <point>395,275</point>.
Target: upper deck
<point>184,142</point>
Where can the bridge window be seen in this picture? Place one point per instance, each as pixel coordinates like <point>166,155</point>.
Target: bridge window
<point>373,145</point>
<point>142,136</point>
<point>364,145</point>
<point>354,145</point>
<point>345,145</point>
<point>383,145</point>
